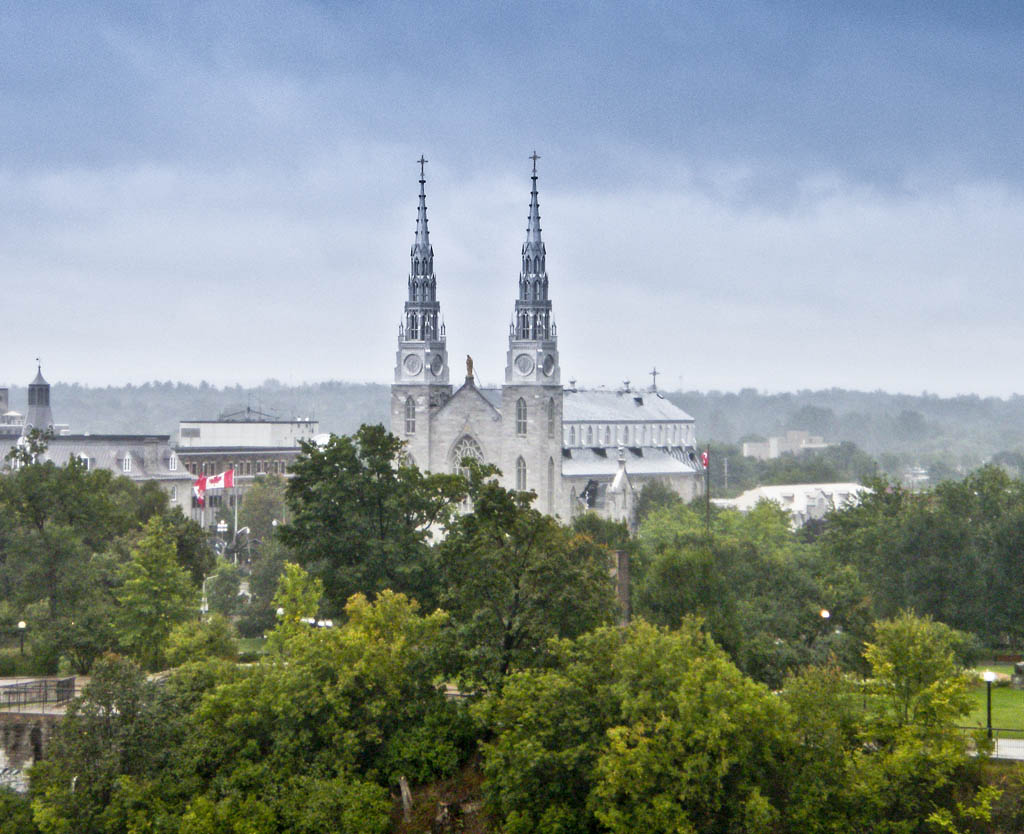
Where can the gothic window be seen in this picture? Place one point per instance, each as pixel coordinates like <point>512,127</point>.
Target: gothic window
<point>174,493</point>
<point>126,464</point>
<point>572,436</point>
<point>551,485</point>
<point>521,417</point>
<point>410,415</point>
<point>520,474</point>
<point>466,447</point>
<point>551,417</point>
<point>172,463</point>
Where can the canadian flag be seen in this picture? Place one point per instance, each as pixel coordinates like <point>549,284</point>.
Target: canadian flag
<point>221,481</point>
<point>704,459</point>
<point>199,490</point>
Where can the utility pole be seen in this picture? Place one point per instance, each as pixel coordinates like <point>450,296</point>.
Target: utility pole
<point>725,467</point>
<point>707,489</point>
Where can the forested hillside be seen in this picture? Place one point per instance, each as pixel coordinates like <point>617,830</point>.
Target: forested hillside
<point>949,435</point>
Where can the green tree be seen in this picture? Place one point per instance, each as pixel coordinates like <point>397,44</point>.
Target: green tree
<point>513,578</point>
<point>640,729</point>
<point>360,521</point>
<point>263,504</point>
<point>197,640</point>
<point>156,594</point>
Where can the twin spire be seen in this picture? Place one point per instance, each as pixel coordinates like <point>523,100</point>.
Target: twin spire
<point>533,308</point>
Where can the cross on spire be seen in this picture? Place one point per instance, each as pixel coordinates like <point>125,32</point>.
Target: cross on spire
<point>422,162</point>
<point>654,378</point>
<point>534,156</point>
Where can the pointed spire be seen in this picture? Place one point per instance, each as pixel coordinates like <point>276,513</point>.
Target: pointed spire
<point>533,226</point>
<point>422,240</point>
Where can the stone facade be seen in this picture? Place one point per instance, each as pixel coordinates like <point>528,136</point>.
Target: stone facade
<point>523,427</point>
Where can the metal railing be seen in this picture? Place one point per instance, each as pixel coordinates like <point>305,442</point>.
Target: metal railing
<point>30,695</point>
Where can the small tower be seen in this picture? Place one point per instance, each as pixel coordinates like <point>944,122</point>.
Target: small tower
<point>39,414</point>
<point>421,363</point>
<point>531,400</point>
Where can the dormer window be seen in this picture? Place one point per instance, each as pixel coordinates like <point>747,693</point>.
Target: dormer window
<point>172,462</point>
<point>126,464</point>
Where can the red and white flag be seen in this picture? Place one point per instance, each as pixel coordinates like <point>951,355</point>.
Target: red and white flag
<point>199,490</point>
<point>704,459</point>
<point>221,481</point>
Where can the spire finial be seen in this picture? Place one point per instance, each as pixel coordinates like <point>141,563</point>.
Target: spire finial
<point>422,162</point>
<point>654,378</point>
<point>534,156</point>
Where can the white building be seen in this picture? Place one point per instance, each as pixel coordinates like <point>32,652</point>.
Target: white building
<point>561,444</point>
<point>804,502</point>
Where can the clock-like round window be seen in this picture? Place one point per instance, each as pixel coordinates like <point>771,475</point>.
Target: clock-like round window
<point>524,364</point>
<point>413,364</point>
<point>436,365</point>
<point>549,365</point>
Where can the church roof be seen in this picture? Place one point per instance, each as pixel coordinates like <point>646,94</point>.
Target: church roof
<point>602,462</point>
<point>603,406</point>
<point>39,377</point>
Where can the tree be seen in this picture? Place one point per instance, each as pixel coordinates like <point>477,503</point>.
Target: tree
<point>360,521</point>
<point>156,595</point>
<point>636,729</point>
<point>263,504</point>
<point>513,578</point>
<point>196,640</point>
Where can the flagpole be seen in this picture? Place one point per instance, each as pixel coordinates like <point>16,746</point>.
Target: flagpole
<point>234,486</point>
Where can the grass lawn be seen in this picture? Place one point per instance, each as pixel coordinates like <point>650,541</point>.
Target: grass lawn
<point>252,644</point>
<point>1007,704</point>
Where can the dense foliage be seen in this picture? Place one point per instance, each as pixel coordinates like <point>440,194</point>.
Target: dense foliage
<point>420,625</point>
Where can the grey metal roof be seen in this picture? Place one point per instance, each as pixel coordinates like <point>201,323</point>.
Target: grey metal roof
<point>603,461</point>
<point>603,406</point>
<point>108,452</point>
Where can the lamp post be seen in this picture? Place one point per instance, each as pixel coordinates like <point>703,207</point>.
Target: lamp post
<point>21,634</point>
<point>989,676</point>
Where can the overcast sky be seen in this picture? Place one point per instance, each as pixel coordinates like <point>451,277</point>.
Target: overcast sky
<point>775,195</point>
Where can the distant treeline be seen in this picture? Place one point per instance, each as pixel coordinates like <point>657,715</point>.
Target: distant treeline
<point>950,435</point>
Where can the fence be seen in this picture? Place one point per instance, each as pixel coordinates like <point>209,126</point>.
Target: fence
<point>28,696</point>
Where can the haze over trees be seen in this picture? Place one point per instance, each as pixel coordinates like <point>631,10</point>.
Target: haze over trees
<point>946,434</point>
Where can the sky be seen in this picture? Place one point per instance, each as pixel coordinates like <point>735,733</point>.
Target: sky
<point>780,196</point>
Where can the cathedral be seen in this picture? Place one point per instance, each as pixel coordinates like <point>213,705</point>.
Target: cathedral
<point>578,450</point>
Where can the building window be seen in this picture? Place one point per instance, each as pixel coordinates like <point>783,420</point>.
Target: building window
<point>607,435</point>
<point>572,436</point>
<point>551,417</point>
<point>521,417</point>
<point>284,467</point>
<point>174,493</point>
<point>467,447</point>
<point>126,464</point>
<point>520,474</point>
<point>590,435</point>
<point>410,415</point>
<point>172,462</point>
<point>248,467</point>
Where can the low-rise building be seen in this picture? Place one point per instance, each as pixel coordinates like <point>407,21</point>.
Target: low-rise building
<point>804,502</point>
<point>793,442</point>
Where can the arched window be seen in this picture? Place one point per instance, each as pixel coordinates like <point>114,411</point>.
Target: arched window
<point>520,474</point>
<point>521,417</point>
<point>410,415</point>
<point>551,417</point>
<point>466,447</point>
<point>607,435</point>
<point>590,435</point>
<point>551,486</point>
<point>572,436</point>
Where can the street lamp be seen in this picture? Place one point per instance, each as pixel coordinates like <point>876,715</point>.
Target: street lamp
<point>989,676</point>
<point>21,634</point>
